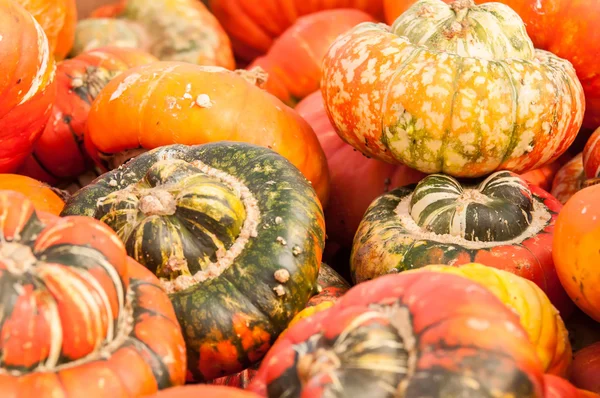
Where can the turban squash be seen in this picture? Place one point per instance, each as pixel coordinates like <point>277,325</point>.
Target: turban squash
<point>27,85</point>
<point>504,222</point>
<point>234,232</point>
<point>79,317</point>
<point>413,335</point>
<point>456,88</point>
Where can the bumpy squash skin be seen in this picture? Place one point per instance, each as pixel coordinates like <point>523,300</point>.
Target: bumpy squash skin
<point>27,85</point>
<point>384,243</point>
<point>92,33</point>
<point>424,95</point>
<point>117,331</point>
<point>229,322</point>
<point>412,335</point>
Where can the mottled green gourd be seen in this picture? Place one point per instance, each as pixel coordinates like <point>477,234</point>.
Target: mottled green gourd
<point>234,232</point>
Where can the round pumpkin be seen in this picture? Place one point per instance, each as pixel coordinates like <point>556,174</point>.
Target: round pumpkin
<point>176,103</point>
<point>79,317</point>
<point>59,153</point>
<point>92,33</point>
<point>576,249</point>
<point>27,85</point>
<point>567,28</point>
<point>544,176</point>
<point>58,19</point>
<point>456,88</point>
<point>539,318</point>
<point>591,156</point>
<point>41,195</point>
<point>293,62</point>
<point>408,335</point>
<point>253,29</point>
<point>504,222</point>
<point>234,232</point>
<point>355,179</point>
<point>569,179</point>
<point>177,30</point>
<point>204,391</point>
<point>557,387</point>
<point>586,368</point>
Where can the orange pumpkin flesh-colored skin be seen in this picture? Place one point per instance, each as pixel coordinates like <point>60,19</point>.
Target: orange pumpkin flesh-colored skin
<point>355,179</point>
<point>169,102</point>
<point>576,249</point>
<point>453,327</point>
<point>567,28</point>
<point>544,176</point>
<point>41,195</point>
<point>253,28</point>
<point>27,86</point>
<point>59,153</point>
<point>538,316</point>
<point>204,391</point>
<point>586,368</point>
<point>87,280</point>
<point>294,60</point>
<point>557,387</point>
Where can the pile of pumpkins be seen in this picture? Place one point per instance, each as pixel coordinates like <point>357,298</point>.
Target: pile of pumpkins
<point>187,187</point>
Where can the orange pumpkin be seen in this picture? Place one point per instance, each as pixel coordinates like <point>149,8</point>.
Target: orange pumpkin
<point>204,391</point>
<point>576,249</point>
<point>254,28</point>
<point>567,28</point>
<point>586,368</point>
<point>59,153</point>
<point>569,179</point>
<point>58,19</point>
<point>27,84</point>
<point>355,179</point>
<point>294,60</point>
<point>591,156</point>
<point>169,102</point>
<point>40,194</point>
<point>557,387</point>
<point>544,176</point>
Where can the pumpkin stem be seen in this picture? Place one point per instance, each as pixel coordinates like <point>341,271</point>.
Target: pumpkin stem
<point>158,202</point>
<point>17,258</point>
<point>459,5</point>
<point>590,181</point>
<point>256,76</point>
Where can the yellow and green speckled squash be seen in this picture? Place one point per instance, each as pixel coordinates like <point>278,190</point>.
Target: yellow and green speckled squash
<point>453,88</point>
<point>234,232</point>
<point>93,33</point>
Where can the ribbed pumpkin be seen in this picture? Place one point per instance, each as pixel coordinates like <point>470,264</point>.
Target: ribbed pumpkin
<point>176,103</point>
<point>557,387</point>
<point>576,249</point>
<point>59,153</point>
<point>567,28</point>
<point>591,157</point>
<point>294,60</point>
<point>355,179</point>
<point>234,232</point>
<point>539,318</point>
<point>424,334</point>
<point>503,222</point>
<point>203,391</point>
<point>58,19</point>
<point>41,195</point>
<point>253,28</point>
<point>586,368</point>
<point>456,88</point>
<point>92,33</point>
<point>79,317</point>
<point>177,30</point>
<point>27,85</point>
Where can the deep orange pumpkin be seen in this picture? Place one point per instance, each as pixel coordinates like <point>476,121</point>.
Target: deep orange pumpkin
<point>355,179</point>
<point>169,102</point>
<point>294,60</point>
<point>253,26</point>
<point>586,368</point>
<point>567,28</point>
<point>41,195</point>
<point>27,85</point>
<point>59,154</point>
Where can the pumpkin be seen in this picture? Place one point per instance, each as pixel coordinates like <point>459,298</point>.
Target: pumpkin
<point>254,29</point>
<point>176,103</point>
<point>355,180</point>
<point>94,33</point>
<point>41,195</point>
<point>410,335</point>
<point>504,222</point>
<point>80,318</point>
<point>557,387</point>
<point>591,157</point>
<point>456,88</point>
<point>544,176</point>
<point>177,30</point>
<point>541,321</point>
<point>27,85</point>
<point>204,391</point>
<point>234,232</point>
<point>569,179</point>
<point>59,153</point>
<point>293,62</point>
<point>58,19</point>
<point>586,368</point>
<point>576,249</point>
<point>567,28</point>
